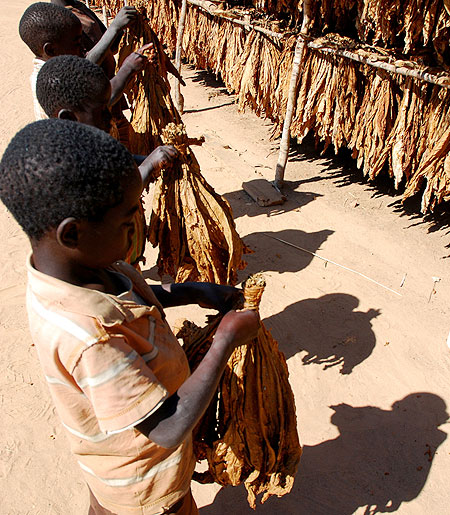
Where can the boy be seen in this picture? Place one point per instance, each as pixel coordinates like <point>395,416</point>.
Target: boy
<point>118,377</point>
<point>72,88</point>
<point>50,30</point>
<point>94,30</point>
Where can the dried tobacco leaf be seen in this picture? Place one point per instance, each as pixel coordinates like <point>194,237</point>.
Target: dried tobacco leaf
<point>249,432</point>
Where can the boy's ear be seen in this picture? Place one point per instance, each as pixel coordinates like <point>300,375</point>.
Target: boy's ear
<point>68,233</point>
<point>67,114</point>
<point>48,50</point>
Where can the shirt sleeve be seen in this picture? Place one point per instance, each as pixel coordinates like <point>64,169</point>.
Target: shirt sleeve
<point>122,389</point>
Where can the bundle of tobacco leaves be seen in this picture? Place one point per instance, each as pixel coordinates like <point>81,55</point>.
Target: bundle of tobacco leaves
<point>391,123</point>
<point>249,432</point>
<point>433,167</point>
<point>387,121</point>
<point>192,225</point>
<point>251,65</point>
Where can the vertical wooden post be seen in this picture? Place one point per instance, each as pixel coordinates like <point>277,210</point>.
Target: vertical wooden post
<point>105,16</point>
<point>179,101</point>
<point>300,48</point>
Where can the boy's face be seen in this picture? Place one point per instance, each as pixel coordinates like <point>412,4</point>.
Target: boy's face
<point>102,243</point>
<point>95,111</point>
<point>70,44</point>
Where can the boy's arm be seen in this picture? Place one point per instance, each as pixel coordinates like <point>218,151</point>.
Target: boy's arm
<point>150,166</point>
<point>170,425</point>
<point>126,16</point>
<point>133,64</point>
<point>206,295</point>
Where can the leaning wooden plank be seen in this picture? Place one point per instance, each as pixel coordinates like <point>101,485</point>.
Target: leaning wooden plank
<point>263,193</point>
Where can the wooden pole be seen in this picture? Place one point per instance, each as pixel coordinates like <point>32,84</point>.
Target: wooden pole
<point>213,10</point>
<point>181,22</point>
<point>443,81</point>
<point>105,16</point>
<point>300,47</point>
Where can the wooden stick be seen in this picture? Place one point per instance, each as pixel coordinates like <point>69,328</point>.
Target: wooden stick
<point>213,10</point>
<point>300,48</point>
<point>333,263</point>
<point>105,16</point>
<point>391,68</point>
<point>181,22</point>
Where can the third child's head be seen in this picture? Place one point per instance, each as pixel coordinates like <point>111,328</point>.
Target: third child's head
<point>73,88</point>
<point>74,190</point>
<point>50,30</point>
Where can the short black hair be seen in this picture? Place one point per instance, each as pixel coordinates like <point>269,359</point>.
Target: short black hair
<point>66,81</point>
<point>44,22</point>
<point>54,169</point>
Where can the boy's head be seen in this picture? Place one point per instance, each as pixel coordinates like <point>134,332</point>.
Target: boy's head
<point>73,88</point>
<point>50,30</point>
<point>73,189</point>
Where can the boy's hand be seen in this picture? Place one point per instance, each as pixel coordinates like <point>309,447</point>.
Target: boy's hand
<point>217,296</point>
<point>149,52</point>
<point>125,16</point>
<point>163,156</point>
<point>136,61</point>
<point>238,327</point>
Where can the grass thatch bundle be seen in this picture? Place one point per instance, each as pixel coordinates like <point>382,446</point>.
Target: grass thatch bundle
<point>249,432</point>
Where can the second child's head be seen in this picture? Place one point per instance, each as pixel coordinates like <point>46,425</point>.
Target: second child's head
<point>73,88</point>
<point>74,190</point>
<point>50,30</point>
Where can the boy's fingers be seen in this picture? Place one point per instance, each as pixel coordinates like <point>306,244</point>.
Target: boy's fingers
<point>172,151</point>
<point>147,46</point>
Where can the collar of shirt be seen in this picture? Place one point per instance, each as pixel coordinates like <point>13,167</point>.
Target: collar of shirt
<point>108,309</point>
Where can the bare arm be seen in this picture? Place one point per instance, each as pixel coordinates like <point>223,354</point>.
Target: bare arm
<point>151,166</point>
<point>208,295</point>
<point>126,16</point>
<point>134,63</point>
<point>172,423</point>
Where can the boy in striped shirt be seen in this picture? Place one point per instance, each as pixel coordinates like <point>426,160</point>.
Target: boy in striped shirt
<point>118,377</point>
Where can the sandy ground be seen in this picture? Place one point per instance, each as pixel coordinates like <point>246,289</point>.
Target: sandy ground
<point>370,369</point>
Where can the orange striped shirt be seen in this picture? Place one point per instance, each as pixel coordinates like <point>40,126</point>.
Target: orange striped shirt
<point>109,363</point>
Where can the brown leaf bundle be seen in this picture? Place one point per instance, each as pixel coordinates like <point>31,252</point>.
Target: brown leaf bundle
<point>327,100</point>
<point>192,225</point>
<point>249,433</point>
<point>251,65</point>
<point>387,121</point>
<point>406,143</point>
<point>434,165</point>
<point>374,119</point>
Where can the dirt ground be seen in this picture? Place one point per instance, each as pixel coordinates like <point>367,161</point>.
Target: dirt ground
<point>370,368</point>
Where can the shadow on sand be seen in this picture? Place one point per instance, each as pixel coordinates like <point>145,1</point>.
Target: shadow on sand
<point>271,254</point>
<point>333,332</point>
<point>243,205</point>
<point>380,460</point>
